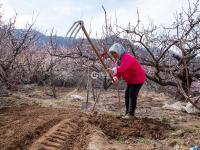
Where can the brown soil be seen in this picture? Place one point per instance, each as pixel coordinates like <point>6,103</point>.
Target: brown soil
<point>116,128</point>
<point>33,127</point>
<point>42,122</point>
<point>22,126</point>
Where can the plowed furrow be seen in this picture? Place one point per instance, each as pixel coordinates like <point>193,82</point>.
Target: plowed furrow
<point>56,138</point>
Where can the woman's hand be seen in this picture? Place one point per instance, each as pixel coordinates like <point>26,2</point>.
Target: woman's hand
<point>109,70</point>
<point>112,70</point>
<point>116,80</point>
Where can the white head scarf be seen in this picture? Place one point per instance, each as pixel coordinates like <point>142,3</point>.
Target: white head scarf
<point>118,48</point>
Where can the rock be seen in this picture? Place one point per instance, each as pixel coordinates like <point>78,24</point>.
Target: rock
<point>191,109</point>
<point>178,133</point>
<point>77,97</point>
<point>175,106</point>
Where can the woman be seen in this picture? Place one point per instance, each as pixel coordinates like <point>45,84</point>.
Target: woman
<point>129,69</point>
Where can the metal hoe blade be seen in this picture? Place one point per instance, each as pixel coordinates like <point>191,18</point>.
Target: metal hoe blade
<point>74,29</point>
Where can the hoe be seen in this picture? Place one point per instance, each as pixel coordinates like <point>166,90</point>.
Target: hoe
<point>73,31</point>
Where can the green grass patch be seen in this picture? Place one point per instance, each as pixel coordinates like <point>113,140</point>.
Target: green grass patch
<point>141,140</point>
<point>120,140</point>
<point>165,120</point>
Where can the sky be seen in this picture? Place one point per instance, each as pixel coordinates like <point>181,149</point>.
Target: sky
<point>61,14</point>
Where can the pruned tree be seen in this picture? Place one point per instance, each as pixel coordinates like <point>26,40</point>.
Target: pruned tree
<point>14,45</point>
<point>169,54</point>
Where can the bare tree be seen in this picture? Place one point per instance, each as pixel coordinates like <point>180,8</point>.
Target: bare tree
<point>13,48</point>
<point>170,54</point>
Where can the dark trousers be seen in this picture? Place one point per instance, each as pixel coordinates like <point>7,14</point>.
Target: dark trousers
<point>131,95</point>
